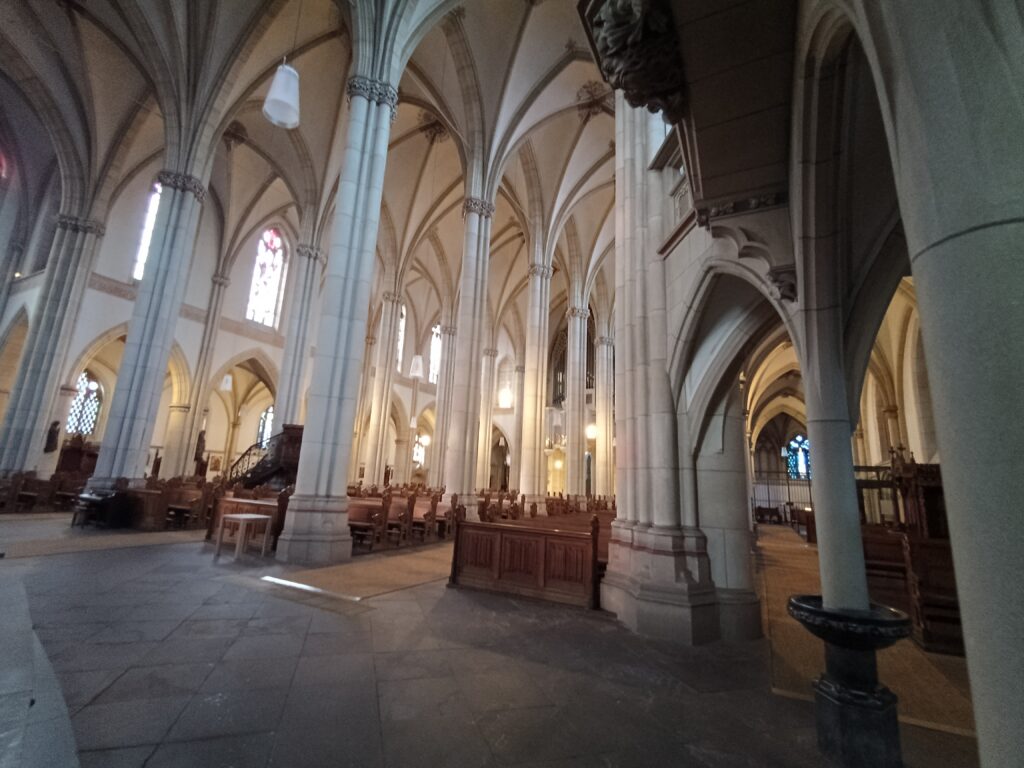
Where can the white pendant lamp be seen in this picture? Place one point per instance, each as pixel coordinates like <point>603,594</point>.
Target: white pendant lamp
<point>281,107</point>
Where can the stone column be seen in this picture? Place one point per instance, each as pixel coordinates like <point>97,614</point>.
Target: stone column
<point>362,406</point>
<point>892,424</point>
<point>316,528</point>
<point>140,379</point>
<point>435,477</point>
<point>178,459</point>
<point>47,464</point>
<point>515,469</point>
<point>533,474</point>
<point>43,359</point>
<point>575,399</point>
<point>483,472</point>
<point>380,403</point>
<point>604,406</point>
<point>836,512</point>
<point>403,455</point>
<point>305,274</point>
<point>463,427</point>
<point>174,441</point>
<point>723,504</point>
<point>14,252</point>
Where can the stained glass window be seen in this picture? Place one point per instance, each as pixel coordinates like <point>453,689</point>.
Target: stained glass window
<point>85,408</point>
<point>400,346</point>
<point>435,354</point>
<point>266,427</point>
<point>419,454</point>
<point>147,231</point>
<point>267,279</point>
<point>798,458</point>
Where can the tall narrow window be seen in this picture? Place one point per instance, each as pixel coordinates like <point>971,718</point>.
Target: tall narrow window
<point>419,454</point>
<point>435,354</point>
<point>147,231</point>
<point>400,346</point>
<point>798,458</point>
<point>266,427</point>
<point>267,279</point>
<point>85,408</point>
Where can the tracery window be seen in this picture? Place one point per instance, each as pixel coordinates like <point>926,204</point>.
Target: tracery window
<point>267,279</point>
<point>147,231</point>
<point>435,354</point>
<point>266,427</point>
<point>419,454</point>
<point>85,408</point>
<point>400,346</point>
<point>798,458</point>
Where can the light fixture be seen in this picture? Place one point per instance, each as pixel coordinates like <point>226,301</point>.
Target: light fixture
<point>505,398</point>
<point>416,367</point>
<point>226,383</point>
<point>558,463</point>
<point>17,275</point>
<point>591,432</point>
<point>281,107</point>
<point>785,452</point>
<point>425,441</point>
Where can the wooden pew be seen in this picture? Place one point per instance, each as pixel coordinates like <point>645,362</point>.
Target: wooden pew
<point>366,519</point>
<point>546,563</point>
<point>885,565</point>
<point>935,607</point>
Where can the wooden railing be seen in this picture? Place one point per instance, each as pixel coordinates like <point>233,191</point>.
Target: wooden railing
<point>556,565</point>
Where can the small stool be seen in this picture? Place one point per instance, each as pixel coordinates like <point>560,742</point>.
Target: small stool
<point>244,524</point>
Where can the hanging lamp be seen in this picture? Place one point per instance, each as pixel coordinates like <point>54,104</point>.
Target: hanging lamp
<point>281,107</point>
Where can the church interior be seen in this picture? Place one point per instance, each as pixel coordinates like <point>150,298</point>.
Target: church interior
<point>511,383</point>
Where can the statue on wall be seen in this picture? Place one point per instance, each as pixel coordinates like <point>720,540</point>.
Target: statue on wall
<point>51,437</point>
<point>200,445</point>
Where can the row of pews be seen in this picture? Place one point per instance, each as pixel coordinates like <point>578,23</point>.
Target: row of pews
<point>397,518</point>
<point>558,557</point>
<point>24,491</point>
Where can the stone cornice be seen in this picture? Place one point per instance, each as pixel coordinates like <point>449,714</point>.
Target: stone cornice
<point>75,224</point>
<point>478,206</point>
<point>707,214</point>
<point>377,91</point>
<point>183,182</point>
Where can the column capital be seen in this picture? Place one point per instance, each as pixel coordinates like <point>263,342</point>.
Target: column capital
<point>540,270</point>
<point>67,390</point>
<point>371,340</point>
<point>520,369</point>
<point>393,297</point>
<point>180,407</point>
<point>75,224</point>
<point>605,341</point>
<point>184,182</point>
<point>490,352</point>
<point>478,206</point>
<point>377,91</point>
<point>222,281</point>
<point>310,252</point>
<point>583,312</point>
<point>448,330</point>
<point>891,410</point>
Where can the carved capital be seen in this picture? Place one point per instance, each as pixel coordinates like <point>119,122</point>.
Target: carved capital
<point>520,369</point>
<point>183,182</point>
<point>376,91</point>
<point>581,312</point>
<point>540,270</point>
<point>394,298</point>
<point>310,252</point>
<point>490,352</point>
<point>448,330</point>
<point>605,341</point>
<point>477,206</point>
<point>638,52</point>
<point>75,224</point>
<point>221,280</point>
<point>371,340</point>
<point>783,281</point>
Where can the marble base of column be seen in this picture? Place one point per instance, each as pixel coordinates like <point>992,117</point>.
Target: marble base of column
<point>316,532</point>
<point>650,588</point>
<point>856,716</point>
<point>739,615</point>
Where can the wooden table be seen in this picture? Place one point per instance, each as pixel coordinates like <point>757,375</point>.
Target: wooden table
<point>242,523</point>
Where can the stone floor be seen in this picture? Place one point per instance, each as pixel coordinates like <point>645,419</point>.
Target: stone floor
<point>166,658</point>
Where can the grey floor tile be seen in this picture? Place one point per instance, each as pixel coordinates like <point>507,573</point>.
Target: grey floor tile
<point>422,699</point>
<point>134,632</point>
<point>196,628</point>
<point>435,744</point>
<point>210,715</point>
<point>409,665</point>
<point>336,643</point>
<point>348,669</point>
<point>249,751</point>
<point>132,757</point>
<point>250,675</point>
<point>126,723</point>
<point>265,647</point>
<point>156,682</point>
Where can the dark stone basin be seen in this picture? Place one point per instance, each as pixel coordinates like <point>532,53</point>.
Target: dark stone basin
<point>869,630</point>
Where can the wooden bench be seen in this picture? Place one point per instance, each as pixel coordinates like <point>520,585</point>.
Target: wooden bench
<point>886,567</point>
<point>366,520</point>
<point>546,563</point>
<point>935,607</point>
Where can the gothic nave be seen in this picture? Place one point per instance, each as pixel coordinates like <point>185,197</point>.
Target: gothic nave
<point>681,339</point>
